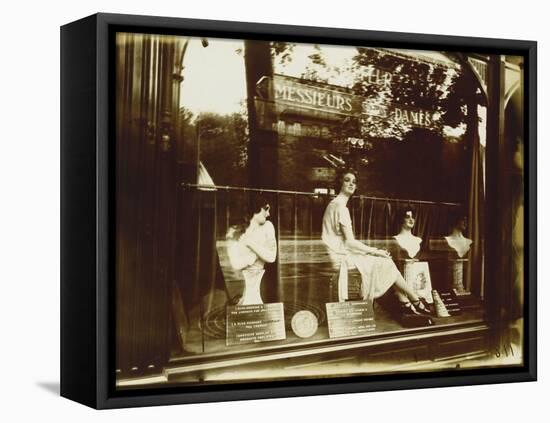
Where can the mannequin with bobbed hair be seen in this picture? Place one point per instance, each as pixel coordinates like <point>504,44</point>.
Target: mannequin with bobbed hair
<point>250,246</point>
<point>377,269</point>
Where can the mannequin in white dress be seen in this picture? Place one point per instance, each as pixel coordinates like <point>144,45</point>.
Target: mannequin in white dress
<point>377,269</point>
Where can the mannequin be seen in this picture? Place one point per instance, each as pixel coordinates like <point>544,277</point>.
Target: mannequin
<point>458,243</point>
<point>409,247</point>
<point>377,269</point>
<point>250,249</point>
<point>405,238</point>
<point>456,239</point>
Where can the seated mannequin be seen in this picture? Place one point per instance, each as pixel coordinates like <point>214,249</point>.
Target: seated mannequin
<point>376,267</point>
<point>251,248</point>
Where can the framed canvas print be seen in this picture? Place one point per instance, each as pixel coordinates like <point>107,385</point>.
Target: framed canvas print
<point>256,211</point>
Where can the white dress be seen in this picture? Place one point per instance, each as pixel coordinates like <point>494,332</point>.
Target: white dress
<point>377,273</point>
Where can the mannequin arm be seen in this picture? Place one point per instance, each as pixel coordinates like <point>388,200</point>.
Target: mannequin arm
<point>267,251</point>
<point>357,246</point>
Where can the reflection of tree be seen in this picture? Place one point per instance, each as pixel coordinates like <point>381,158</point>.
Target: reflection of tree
<point>459,106</point>
<point>281,51</point>
<point>402,159</point>
<point>410,84</point>
<point>223,144</point>
<point>420,166</point>
<point>317,69</point>
<point>396,157</point>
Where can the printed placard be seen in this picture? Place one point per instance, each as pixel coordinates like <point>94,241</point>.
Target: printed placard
<point>255,323</point>
<point>352,318</point>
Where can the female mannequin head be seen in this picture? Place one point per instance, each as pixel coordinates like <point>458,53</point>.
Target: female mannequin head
<point>456,239</point>
<point>346,182</point>
<point>458,222</point>
<point>258,210</point>
<point>405,219</point>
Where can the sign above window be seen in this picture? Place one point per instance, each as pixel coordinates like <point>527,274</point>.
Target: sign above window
<point>314,98</point>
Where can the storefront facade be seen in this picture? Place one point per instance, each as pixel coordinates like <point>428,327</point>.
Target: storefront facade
<point>301,132</point>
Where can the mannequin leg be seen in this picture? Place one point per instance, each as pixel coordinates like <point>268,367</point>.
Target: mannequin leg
<point>404,292</point>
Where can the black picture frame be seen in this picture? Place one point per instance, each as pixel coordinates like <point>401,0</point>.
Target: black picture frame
<point>88,200</point>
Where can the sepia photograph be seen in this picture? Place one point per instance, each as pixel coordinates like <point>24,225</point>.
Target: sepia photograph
<point>292,211</point>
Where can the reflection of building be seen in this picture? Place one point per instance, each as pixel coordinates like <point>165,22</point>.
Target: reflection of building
<point>320,127</point>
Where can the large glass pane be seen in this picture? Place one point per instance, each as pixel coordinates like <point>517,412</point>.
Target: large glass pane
<point>316,196</point>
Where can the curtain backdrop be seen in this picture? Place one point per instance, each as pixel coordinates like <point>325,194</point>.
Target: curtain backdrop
<point>476,215</point>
